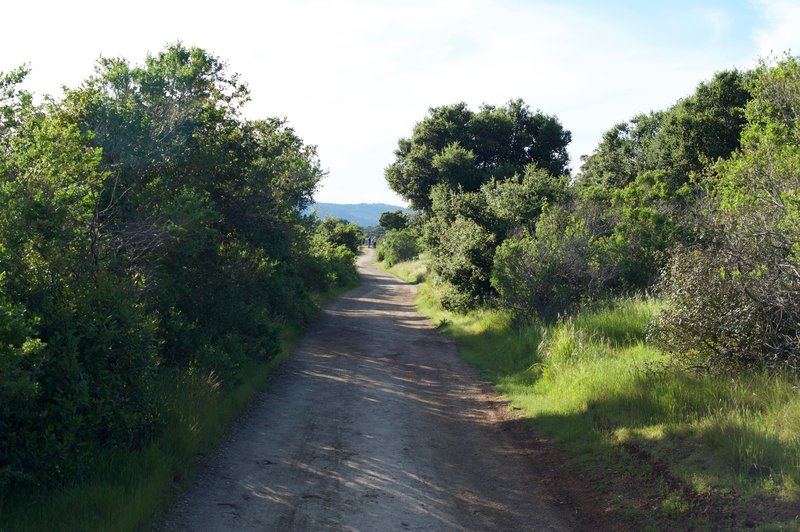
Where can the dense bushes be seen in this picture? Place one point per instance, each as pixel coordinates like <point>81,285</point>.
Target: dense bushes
<point>330,262</point>
<point>698,202</point>
<point>544,274</point>
<point>340,233</point>
<point>398,245</point>
<point>464,260</point>
<point>463,229</point>
<point>394,220</point>
<point>80,346</point>
<point>145,227</point>
<point>735,299</point>
<point>709,320</point>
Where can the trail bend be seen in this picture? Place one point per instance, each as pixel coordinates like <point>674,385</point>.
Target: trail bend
<point>374,423</point>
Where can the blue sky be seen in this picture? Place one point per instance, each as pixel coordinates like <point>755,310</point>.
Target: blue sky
<point>353,76</point>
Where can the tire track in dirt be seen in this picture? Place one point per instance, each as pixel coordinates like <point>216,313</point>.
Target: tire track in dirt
<point>373,423</point>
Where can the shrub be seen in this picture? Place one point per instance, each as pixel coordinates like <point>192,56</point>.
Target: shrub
<point>18,390</point>
<point>547,273</point>
<point>331,265</point>
<point>709,320</point>
<point>144,226</point>
<point>341,233</point>
<point>736,301</point>
<point>398,245</point>
<point>464,260</point>
<point>78,375</point>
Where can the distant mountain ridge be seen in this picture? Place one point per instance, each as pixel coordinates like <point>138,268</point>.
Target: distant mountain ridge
<point>361,214</point>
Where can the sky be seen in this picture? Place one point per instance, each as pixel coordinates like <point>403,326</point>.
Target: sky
<point>354,76</point>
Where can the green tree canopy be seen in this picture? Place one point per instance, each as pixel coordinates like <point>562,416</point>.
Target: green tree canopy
<point>735,300</point>
<point>463,149</point>
<point>652,170</point>
<point>394,220</point>
<point>340,232</point>
<point>144,225</point>
<point>680,141</point>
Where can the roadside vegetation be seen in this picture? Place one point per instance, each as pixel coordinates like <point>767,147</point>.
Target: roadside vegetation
<point>644,310</point>
<point>707,447</point>
<point>154,264</point>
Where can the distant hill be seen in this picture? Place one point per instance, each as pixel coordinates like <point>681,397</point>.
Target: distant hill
<point>361,214</point>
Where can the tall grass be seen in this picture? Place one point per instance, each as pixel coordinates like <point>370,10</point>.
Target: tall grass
<point>413,271</point>
<point>594,383</point>
<point>126,489</point>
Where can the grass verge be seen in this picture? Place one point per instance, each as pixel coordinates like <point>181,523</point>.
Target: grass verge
<point>126,490</point>
<point>414,272</point>
<point>717,451</point>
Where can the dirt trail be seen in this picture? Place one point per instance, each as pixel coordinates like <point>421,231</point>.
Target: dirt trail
<point>374,423</point>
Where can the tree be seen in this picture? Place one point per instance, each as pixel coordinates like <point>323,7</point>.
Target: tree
<point>734,300</point>
<point>394,220</point>
<point>398,245</point>
<point>651,171</point>
<point>464,149</point>
<point>341,233</point>
<point>622,153</point>
<point>13,101</point>
<point>516,204</point>
<point>203,208</point>
<point>681,141</point>
<point>145,225</point>
<point>700,129</point>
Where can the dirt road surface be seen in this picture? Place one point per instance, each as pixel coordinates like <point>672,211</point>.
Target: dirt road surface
<point>373,424</point>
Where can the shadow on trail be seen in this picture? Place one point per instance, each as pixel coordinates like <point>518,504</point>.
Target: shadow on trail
<point>373,424</point>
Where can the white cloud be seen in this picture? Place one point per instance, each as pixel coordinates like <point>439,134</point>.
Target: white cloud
<point>719,21</point>
<point>782,30</point>
<point>582,68</point>
<point>353,76</point>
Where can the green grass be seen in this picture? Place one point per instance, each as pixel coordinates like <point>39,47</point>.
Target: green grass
<point>414,271</point>
<point>593,383</point>
<point>126,490</point>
